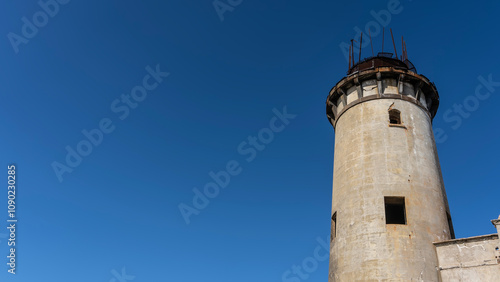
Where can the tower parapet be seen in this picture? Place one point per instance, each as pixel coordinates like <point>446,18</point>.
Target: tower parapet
<point>381,78</point>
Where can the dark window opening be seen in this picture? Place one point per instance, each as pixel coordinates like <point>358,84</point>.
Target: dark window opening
<point>395,210</point>
<point>334,226</point>
<point>450,225</point>
<point>394,117</point>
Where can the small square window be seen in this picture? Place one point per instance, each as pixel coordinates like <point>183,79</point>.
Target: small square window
<point>395,212</point>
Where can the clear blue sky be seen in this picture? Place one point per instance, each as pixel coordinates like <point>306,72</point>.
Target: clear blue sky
<point>119,207</point>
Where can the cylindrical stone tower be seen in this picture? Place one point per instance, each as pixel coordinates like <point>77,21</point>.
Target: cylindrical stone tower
<point>389,203</point>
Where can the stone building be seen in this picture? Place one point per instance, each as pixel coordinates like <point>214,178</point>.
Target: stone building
<point>470,259</point>
<point>390,214</point>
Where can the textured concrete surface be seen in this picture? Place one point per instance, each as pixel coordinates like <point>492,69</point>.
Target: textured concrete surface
<point>469,259</point>
<point>373,160</point>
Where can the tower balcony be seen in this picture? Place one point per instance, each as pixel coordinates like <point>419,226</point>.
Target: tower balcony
<point>381,77</point>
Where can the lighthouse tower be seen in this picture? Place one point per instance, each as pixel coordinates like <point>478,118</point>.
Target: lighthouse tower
<point>389,203</point>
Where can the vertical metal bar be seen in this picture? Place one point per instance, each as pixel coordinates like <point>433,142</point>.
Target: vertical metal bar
<point>352,47</point>
<point>349,58</point>
<point>406,52</point>
<point>371,43</point>
<point>394,44</point>
<point>383,35</point>
<point>402,49</point>
<point>360,43</point>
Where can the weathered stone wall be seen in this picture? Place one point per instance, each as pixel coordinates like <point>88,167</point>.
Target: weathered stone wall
<point>469,259</point>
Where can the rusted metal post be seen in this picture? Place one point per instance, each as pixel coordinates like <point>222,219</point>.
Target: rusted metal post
<point>349,58</point>
<point>402,49</point>
<point>406,52</point>
<point>360,43</point>
<point>394,44</point>
<point>352,47</point>
<point>383,35</point>
<point>371,43</point>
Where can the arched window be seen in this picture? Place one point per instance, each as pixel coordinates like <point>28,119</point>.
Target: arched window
<point>334,226</point>
<point>394,116</point>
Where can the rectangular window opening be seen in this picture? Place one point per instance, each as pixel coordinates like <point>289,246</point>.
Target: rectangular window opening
<point>395,211</point>
<point>394,116</point>
<point>334,226</point>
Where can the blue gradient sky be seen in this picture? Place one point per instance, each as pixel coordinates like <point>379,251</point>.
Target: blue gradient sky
<point>119,207</point>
